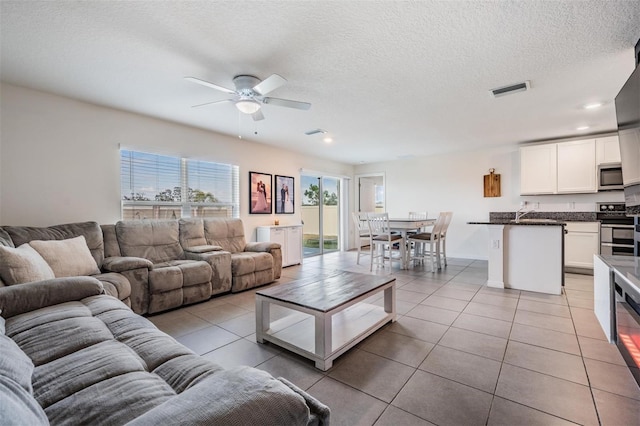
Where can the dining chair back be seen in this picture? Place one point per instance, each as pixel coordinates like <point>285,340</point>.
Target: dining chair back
<point>384,242</point>
<point>443,237</point>
<point>432,238</point>
<point>363,235</point>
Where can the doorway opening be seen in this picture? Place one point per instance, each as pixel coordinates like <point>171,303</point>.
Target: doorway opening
<point>321,212</point>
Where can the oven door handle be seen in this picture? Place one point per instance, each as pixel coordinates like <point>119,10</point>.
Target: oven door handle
<point>617,226</point>
<point>616,245</point>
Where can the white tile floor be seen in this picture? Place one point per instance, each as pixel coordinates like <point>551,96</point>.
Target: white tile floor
<point>459,354</point>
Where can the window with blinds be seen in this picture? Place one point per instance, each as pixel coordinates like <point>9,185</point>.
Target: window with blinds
<point>162,187</point>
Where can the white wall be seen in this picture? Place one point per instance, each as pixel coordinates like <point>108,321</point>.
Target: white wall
<point>60,159</point>
<point>455,182</point>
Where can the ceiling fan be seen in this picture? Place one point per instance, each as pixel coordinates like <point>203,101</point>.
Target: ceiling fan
<point>250,92</point>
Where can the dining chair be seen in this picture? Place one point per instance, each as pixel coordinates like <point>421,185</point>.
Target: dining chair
<point>416,215</point>
<point>363,236</point>
<point>443,237</point>
<point>432,238</point>
<point>383,241</point>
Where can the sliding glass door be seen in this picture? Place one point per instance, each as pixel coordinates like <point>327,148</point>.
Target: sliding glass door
<point>320,214</point>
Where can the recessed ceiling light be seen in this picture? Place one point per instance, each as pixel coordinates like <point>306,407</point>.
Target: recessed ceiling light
<point>593,105</point>
<point>328,139</point>
<point>582,128</point>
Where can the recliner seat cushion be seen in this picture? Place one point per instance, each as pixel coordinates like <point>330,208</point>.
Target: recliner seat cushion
<point>249,262</point>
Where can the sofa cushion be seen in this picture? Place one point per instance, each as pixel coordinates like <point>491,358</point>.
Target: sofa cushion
<point>156,240</point>
<point>176,274</point>
<point>17,405</point>
<point>226,233</point>
<point>192,232</point>
<point>5,239</point>
<point>249,262</point>
<point>67,258</point>
<point>23,265</point>
<point>116,285</point>
<point>18,299</point>
<point>89,230</point>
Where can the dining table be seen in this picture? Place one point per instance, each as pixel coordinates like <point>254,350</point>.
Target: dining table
<point>404,225</point>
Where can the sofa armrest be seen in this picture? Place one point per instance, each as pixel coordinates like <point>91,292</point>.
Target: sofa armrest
<point>261,247</point>
<point>242,396</point>
<point>202,249</point>
<point>20,298</point>
<point>121,264</point>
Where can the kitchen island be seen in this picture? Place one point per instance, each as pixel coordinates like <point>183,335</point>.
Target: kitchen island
<point>526,255</point>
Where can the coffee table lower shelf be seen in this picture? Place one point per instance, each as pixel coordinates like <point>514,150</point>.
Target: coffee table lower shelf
<point>323,336</point>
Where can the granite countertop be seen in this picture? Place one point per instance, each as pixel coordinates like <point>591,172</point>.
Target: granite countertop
<point>538,218</point>
<point>559,216</point>
<point>523,221</point>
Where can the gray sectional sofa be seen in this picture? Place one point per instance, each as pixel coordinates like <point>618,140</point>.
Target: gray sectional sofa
<point>72,355</point>
<point>74,350</point>
<point>157,265</point>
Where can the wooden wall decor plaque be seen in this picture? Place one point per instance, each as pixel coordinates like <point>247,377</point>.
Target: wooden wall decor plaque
<point>492,184</point>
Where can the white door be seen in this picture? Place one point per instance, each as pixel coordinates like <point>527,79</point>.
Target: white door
<point>538,170</point>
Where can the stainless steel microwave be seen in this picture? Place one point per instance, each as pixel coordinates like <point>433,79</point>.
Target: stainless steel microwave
<point>610,177</point>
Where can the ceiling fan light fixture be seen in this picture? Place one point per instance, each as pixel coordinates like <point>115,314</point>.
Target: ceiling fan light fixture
<point>247,106</point>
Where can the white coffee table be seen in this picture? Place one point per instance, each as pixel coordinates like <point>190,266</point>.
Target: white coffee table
<point>328,315</point>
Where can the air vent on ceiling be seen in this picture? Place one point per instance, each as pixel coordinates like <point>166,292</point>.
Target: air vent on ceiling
<point>314,132</point>
<point>512,88</point>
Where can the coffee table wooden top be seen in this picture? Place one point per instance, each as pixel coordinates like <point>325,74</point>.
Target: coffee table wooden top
<point>324,293</point>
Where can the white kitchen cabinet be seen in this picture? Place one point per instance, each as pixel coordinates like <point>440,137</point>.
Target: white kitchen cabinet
<point>607,150</point>
<point>577,167</point>
<point>538,169</point>
<point>558,168</point>
<point>290,239</point>
<point>581,242</point>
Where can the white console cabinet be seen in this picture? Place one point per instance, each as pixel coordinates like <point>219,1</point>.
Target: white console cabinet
<point>290,239</point>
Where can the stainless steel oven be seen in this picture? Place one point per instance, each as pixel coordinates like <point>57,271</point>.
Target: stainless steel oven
<point>616,230</point>
<point>626,323</point>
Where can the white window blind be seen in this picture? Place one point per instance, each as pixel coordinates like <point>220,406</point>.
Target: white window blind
<point>158,187</point>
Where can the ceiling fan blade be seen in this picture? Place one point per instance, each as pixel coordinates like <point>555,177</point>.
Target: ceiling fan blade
<point>269,84</point>
<point>211,85</point>
<point>211,103</point>
<point>287,103</point>
<point>257,116</point>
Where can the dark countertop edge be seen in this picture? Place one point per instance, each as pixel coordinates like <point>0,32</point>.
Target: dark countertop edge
<point>572,216</point>
<point>508,222</point>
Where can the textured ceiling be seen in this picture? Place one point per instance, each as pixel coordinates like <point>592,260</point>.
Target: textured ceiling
<point>386,79</point>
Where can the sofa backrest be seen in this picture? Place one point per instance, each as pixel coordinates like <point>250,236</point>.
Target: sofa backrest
<point>89,230</point>
<point>227,233</point>
<point>111,246</point>
<point>156,240</point>
<point>192,232</point>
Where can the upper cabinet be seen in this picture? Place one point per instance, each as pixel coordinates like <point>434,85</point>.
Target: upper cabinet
<point>538,167</point>
<point>558,168</point>
<point>607,150</point>
<point>577,167</point>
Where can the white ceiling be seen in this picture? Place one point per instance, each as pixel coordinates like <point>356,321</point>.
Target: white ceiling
<point>388,79</point>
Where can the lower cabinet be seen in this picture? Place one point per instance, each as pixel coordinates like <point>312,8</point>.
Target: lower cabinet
<point>290,239</point>
<point>581,242</point>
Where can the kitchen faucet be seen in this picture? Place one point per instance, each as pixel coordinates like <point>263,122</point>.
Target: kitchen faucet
<point>520,213</point>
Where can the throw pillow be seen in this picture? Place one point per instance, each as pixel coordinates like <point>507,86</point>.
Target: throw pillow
<point>67,258</point>
<point>23,265</point>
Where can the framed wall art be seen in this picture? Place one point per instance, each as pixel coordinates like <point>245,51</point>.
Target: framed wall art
<point>259,193</point>
<point>284,195</point>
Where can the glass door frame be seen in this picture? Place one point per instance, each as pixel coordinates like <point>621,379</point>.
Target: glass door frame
<point>342,182</point>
